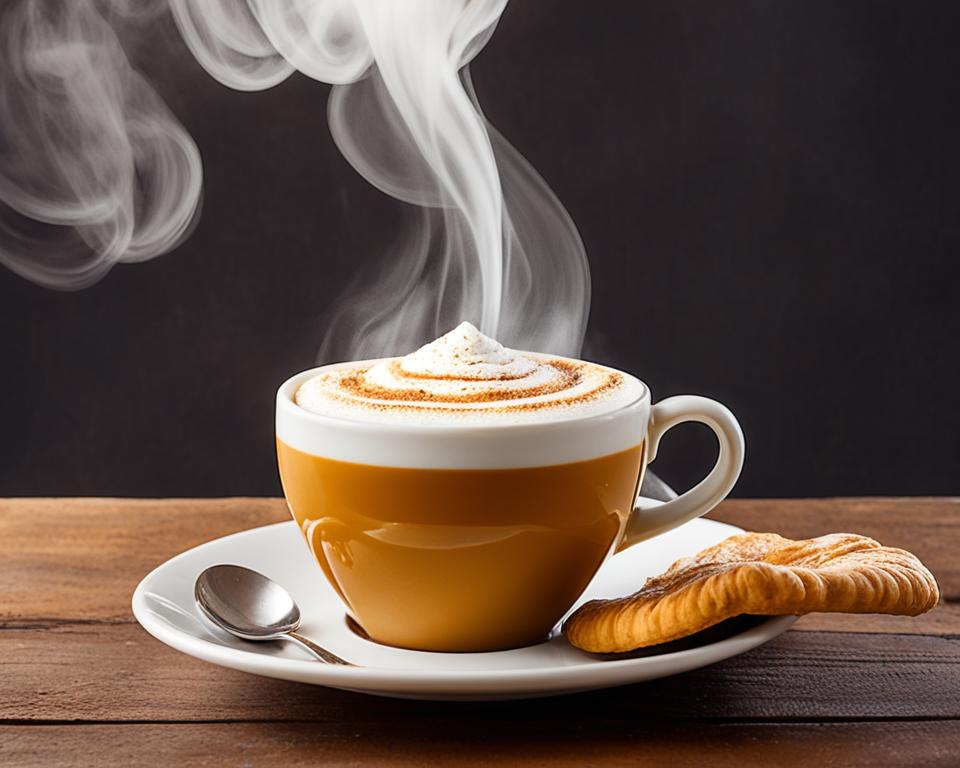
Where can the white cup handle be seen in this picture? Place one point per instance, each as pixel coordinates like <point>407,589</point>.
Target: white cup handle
<point>645,523</point>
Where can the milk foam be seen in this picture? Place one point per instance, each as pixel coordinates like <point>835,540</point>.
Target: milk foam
<point>466,377</point>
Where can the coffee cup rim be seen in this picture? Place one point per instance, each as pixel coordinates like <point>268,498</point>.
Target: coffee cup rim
<point>458,446</point>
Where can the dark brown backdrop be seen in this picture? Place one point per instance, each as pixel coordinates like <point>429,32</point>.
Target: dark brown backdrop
<point>768,192</point>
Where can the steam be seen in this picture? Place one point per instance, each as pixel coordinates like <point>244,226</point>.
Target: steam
<point>94,169</point>
<point>488,241</point>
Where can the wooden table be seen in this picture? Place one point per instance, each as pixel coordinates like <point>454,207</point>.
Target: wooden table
<point>82,684</point>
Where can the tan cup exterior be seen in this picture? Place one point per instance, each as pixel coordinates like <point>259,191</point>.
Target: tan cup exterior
<point>467,538</point>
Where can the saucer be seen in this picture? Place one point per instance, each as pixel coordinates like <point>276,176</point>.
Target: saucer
<point>163,604</point>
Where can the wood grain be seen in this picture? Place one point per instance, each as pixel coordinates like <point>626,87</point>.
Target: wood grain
<point>942,620</point>
<point>81,683</point>
<point>522,743</point>
<point>80,559</point>
<point>118,672</point>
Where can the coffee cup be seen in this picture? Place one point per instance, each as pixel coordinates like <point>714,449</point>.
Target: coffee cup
<point>477,529</point>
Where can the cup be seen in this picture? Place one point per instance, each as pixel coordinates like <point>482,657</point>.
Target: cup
<point>481,537</point>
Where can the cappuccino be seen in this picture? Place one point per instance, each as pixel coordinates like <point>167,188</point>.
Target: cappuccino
<point>464,378</point>
<point>462,497</point>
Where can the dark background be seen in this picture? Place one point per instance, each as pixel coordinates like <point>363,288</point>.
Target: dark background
<point>768,192</point>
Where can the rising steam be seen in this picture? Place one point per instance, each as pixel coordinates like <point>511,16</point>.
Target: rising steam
<point>94,169</point>
<point>488,240</point>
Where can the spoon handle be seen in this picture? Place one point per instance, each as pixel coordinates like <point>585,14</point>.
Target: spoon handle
<point>321,653</point>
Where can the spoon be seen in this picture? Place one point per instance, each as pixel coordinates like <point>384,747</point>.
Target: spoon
<point>252,607</point>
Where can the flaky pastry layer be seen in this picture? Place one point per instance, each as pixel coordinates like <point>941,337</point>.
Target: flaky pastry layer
<point>760,574</point>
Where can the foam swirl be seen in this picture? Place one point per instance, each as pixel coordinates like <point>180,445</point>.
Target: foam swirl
<point>466,376</point>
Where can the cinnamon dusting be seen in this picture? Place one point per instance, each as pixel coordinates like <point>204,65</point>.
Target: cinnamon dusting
<point>354,384</point>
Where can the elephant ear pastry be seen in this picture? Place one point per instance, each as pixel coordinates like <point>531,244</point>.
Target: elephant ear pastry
<point>760,574</point>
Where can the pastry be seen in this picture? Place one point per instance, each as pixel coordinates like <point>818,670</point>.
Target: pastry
<point>761,574</point>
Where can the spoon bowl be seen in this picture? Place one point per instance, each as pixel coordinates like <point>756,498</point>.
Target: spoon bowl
<point>253,607</point>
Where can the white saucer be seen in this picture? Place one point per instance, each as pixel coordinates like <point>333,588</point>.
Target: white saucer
<point>163,603</point>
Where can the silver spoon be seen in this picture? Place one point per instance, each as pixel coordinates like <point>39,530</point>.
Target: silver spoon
<point>252,607</point>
